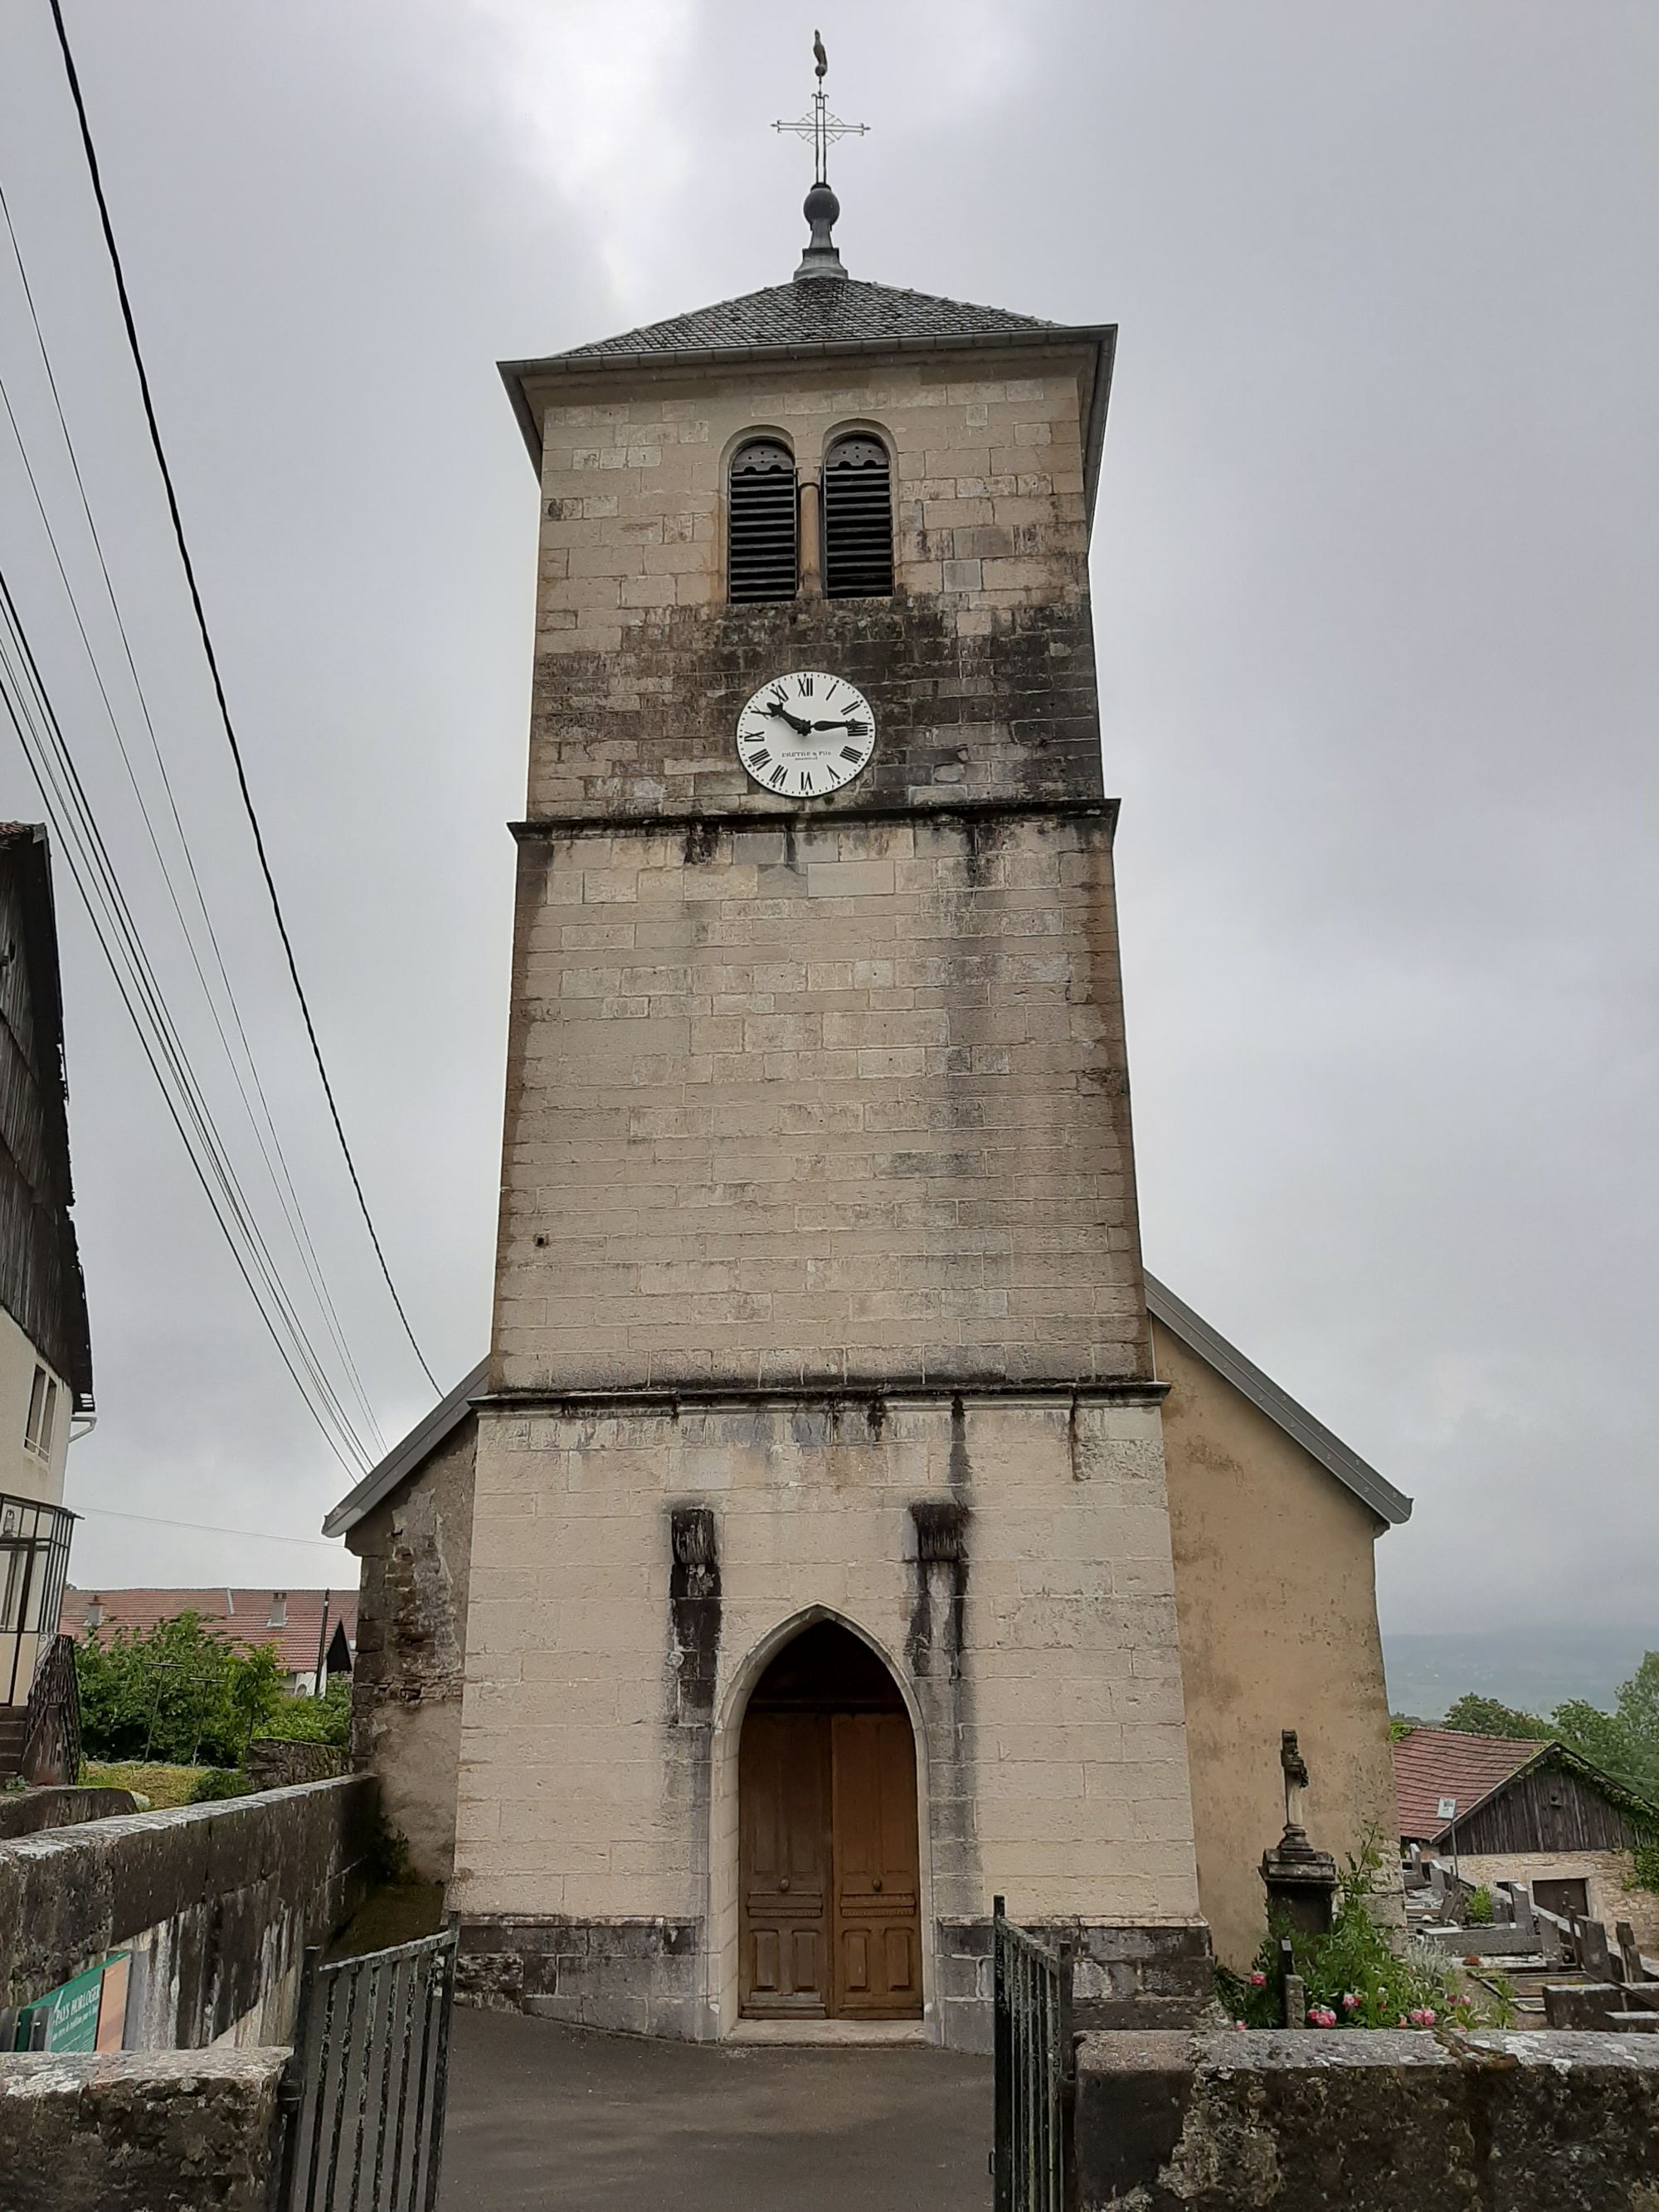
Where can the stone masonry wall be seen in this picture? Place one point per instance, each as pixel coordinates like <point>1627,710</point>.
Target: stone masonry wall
<point>980,668</point>
<point>1606,1876</point>
<point>415,1549</point>
<point>838,1104</point>
<point>599,1793</point>
<point>163,2131</point>
<point>216,1902</point>
<point>1301,2121</point>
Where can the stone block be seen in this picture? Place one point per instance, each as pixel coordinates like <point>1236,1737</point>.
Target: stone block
<point>140,2132</point>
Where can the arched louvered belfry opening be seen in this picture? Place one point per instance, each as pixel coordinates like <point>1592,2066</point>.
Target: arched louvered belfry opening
<point>858,519</point>
<point>762,523</point>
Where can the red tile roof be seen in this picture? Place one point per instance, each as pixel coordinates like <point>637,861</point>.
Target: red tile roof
<point>242,1614</point>
<point>1432,1763</point>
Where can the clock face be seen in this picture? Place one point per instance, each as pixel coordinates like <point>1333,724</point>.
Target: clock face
<point>807,734</point>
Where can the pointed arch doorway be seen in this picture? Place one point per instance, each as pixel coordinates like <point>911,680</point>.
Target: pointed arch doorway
<point>830,1904</point>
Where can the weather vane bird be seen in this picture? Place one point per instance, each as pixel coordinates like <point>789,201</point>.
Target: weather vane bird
<point>821,126</point>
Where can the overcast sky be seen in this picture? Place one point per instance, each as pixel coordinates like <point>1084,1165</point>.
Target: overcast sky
<point>1375,575</point>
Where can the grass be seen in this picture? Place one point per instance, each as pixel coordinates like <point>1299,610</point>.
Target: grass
<point>162,1785</point>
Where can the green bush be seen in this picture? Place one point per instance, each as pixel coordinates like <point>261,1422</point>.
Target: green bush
<point>327,1719</point>
<point>1354,1977</point>
<point>1477,1909</point>
<point>220,1782</point>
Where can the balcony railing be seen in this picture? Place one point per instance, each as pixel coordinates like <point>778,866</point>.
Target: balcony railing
<point>34,1549</point>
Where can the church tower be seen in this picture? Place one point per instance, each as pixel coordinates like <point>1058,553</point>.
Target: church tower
<point>820,1582</point>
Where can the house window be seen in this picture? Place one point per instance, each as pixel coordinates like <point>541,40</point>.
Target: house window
<point>43,1410</point>
<point>858,520</point>
<point>761,527</point>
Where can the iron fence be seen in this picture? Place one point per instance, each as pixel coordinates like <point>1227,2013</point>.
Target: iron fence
<point>369,2079</point>
<point>1034,2069</point>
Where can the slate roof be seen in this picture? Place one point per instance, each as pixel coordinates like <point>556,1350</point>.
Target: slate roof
<point>242,1614</point>
<point>1316,1439</point>
<point>843,311</point>
<point>418,1446</point>
<point>1432,1763</point>
<point>801,321</point>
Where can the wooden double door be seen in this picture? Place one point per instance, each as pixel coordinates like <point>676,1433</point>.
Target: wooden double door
<point>831,1891</point>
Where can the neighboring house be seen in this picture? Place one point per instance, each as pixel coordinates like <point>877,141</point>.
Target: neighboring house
<point>298,1622</point>
<point>46,1344</point>
<point>1530,1811</point>
<point>1272,1522</point>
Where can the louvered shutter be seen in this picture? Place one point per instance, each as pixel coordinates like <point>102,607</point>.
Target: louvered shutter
<point>858,520</point>
<point>760,549</point>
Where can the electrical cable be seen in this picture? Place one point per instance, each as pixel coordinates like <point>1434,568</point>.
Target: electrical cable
<point>51,763</point>
<point>206,1528</point>
<point>281,1183</point>
<point>213,666</point>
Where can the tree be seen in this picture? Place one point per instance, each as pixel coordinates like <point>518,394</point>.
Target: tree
<point>1474,1715</point>
<point>181,1693</point>
<point>1624,1743</point>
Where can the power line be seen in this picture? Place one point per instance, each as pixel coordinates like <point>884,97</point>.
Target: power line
<point>282,1182</point>
<point>206,1528</point>
<point>51,761</point>
<point>213,666</point>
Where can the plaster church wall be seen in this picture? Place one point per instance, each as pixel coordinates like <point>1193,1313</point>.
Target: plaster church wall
<point>1276,1592</point>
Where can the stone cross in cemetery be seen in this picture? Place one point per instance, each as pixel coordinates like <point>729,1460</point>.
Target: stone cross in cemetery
<point>1301,1882</point>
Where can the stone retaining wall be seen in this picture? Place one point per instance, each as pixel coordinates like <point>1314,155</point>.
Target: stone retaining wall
<point>25,1812</point>
<point>215,1902</point>
<point>166,2131</point>
<point>1301,2121</point>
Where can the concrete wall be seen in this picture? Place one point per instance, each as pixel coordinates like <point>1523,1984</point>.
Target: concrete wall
<point>216,1902</point>
<point>599,1755</point>
<point>1300,2122</point>
<point>1276,1597</point>
<point>163,2132</point>
<point>415,1548</point>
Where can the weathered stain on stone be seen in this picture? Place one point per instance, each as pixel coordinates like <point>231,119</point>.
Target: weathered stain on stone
<point>694,1598</point>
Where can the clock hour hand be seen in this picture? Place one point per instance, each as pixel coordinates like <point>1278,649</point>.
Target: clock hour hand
<point>842,725</point>
<point>795,722</point>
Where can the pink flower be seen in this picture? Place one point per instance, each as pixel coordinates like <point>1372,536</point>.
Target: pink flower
<point>1258,1980</point>
<point>1422,2016</point>
<point>1349,2000</point>
<point>1322,2016</point>
<point>1238,2023</point>
<point>1401,2020</point>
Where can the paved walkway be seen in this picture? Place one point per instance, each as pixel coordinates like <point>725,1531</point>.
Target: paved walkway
<point>541,2115</point>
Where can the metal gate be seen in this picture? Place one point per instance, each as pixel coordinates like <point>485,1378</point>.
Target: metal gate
<point>367,2080</point>
<point>1034,2069</point>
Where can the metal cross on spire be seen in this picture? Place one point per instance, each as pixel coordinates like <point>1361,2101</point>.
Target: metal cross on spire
<point>822,206</point>
<point>821,126</point>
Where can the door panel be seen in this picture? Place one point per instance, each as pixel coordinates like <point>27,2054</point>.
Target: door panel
<point>784,1817</point>
<point>876,1882</point>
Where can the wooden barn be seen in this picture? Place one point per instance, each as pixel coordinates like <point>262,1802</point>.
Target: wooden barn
<point>1530,1811</point>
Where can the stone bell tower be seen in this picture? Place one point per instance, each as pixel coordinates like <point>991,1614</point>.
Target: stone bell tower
<point>820,1579</point>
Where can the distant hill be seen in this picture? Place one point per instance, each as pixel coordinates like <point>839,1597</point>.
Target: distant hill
<point>1533,1668</point>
